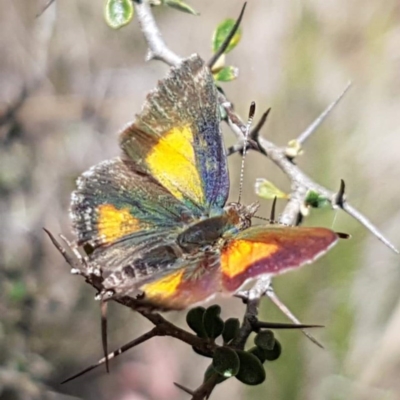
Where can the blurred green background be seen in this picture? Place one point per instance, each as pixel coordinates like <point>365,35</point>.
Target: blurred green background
<point>86,81</point>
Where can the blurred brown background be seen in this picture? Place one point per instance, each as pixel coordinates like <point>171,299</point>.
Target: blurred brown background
<point>86,81</point>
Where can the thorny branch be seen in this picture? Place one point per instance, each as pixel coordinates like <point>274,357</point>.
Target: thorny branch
<point>157,47</point>
<point>162,327</point>
<point>301,184</point>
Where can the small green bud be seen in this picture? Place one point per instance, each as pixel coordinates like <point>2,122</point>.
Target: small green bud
<point>315,200</point>
<point>226,74</point>
<point>293,149</point>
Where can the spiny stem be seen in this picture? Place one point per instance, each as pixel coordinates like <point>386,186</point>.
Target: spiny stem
<point>315,124</point>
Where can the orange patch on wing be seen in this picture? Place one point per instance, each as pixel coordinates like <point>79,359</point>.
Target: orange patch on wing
<point>172,161</point>
<point>240,254</point>
<point>113,223</point>
<point>165,287</point>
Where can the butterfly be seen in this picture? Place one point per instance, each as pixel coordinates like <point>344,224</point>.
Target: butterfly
<point>156,219</point>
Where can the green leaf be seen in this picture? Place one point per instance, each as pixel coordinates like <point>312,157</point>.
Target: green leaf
<point>210,371</point>
<point>268,190</point>
<point>194,318</point>
<point>270,355</point>
<point>275,353</point>
<point>251,371</point>
<point>315,200</point>
<point>265,340</point>
<point>221,32</point>
<point>215,309</point>
<point>118,13</point>
<point>180,6</point>
<point>259,353</point>
<point>231,329</point>
<point>226,74</point>
<point>212,322</point>
<point>226,362</point>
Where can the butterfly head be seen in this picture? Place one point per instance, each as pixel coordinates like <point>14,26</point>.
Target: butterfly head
<point>240,215</point>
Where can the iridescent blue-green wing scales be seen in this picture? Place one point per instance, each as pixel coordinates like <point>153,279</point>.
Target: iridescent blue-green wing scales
<point>119,212</point>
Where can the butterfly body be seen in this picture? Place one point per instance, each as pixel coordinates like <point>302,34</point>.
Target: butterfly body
<point>207,232</point>
<point>157,217</point>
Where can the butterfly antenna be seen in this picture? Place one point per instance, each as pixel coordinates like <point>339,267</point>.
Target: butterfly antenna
<point>263,219</point>
<point>103,307</point>
<point>252,111</point>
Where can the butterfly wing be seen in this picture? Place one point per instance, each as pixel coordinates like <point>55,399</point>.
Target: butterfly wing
<point>177,140</point>
<point>271,250</point>
<point>253,252</point>
<point>118,211</point>
<point>173,171</point>
<point>193,281</point>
